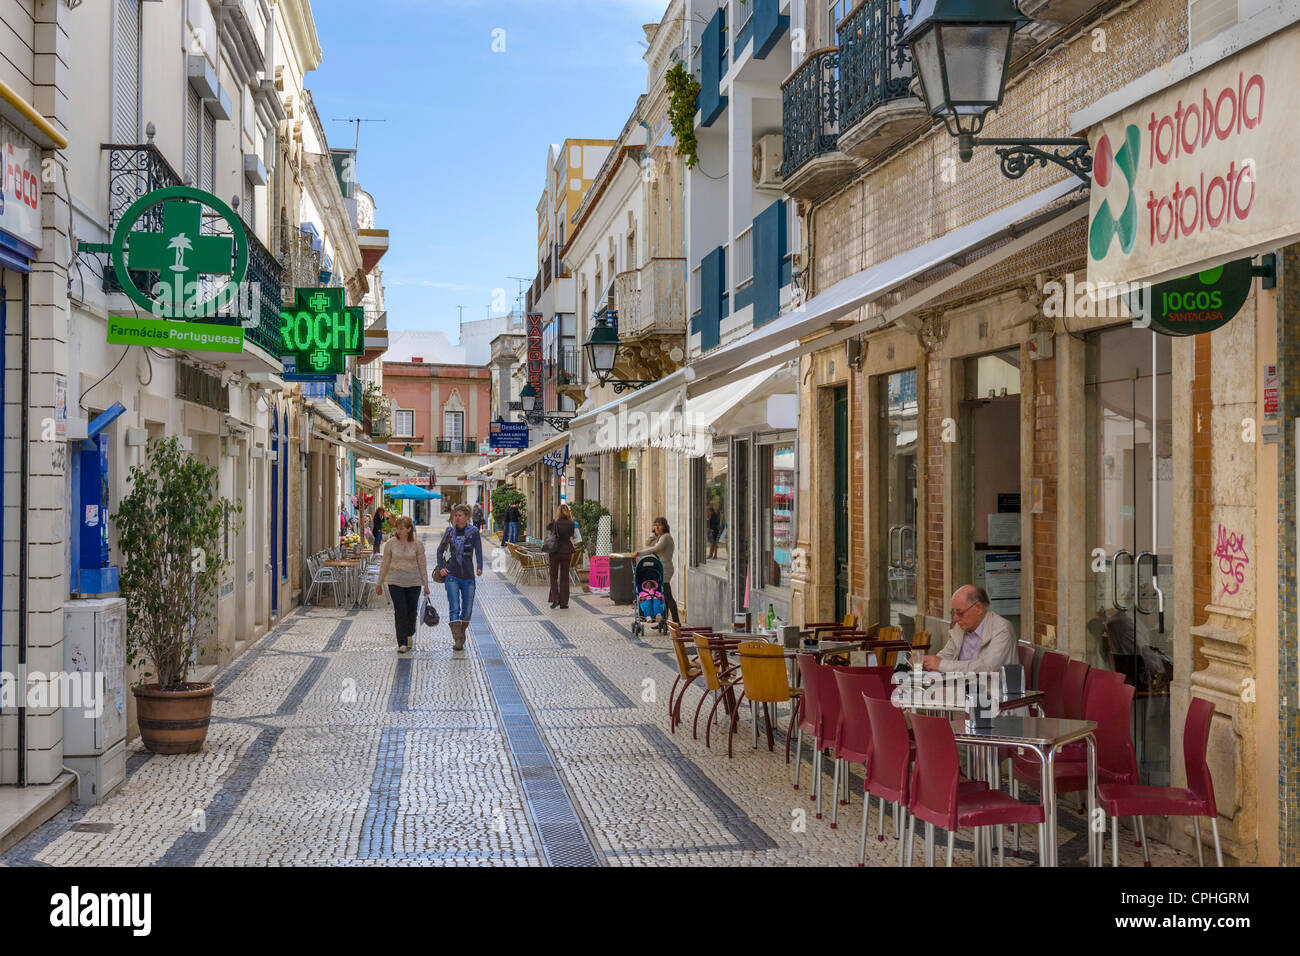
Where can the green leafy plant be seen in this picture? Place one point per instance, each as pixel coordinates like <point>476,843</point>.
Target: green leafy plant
<point>169,530</point>
<point>502,498</point>
<point>587,513</point>
<point>683,91</point>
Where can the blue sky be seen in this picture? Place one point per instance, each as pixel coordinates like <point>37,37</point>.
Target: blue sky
<point>457,169</point>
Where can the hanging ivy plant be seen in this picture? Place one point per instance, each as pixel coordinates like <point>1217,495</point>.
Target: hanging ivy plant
<point>683,90</point>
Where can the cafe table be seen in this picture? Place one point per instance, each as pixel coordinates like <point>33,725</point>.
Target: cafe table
<point>349,566</point>
<point>1045,736</point>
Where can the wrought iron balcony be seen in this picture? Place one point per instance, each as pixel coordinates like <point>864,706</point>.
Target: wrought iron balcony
<point>457,446</point>
<point>876,107</point>
<point>810,126</point>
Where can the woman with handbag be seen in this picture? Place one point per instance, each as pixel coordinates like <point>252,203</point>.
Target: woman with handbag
<point>457,551</point>
<point>559,547</point>
<point>405,571</point>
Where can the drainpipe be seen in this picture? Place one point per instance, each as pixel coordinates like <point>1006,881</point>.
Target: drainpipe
<point>22,537</point>
<point>645,193</point>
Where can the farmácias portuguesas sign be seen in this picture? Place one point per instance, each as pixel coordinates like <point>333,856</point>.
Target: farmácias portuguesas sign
<point>195,272</point>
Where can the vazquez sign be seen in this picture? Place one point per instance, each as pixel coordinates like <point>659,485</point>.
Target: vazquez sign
<point>1198,174</point>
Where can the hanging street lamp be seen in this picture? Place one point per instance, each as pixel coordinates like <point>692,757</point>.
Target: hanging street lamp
<point>602,354</point>
<point>962,52</point>
<point>534,415</point>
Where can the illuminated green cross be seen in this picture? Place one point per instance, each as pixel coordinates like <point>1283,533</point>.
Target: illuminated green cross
<point>319,331</point>
<point>179,253</point>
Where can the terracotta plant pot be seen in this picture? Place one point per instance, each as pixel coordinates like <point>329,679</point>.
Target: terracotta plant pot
<point>173,721</point>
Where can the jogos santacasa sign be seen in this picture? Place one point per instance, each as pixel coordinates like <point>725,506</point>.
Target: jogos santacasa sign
<point>1200,173</point>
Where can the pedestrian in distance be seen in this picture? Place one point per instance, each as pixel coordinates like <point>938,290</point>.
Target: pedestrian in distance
<point>512,522</point>
<point>478,519</point>
<point>459,551</point>
<point>660,543</point>
<point>405,571</point>
<point>562,555</point>
<point>377,528</point>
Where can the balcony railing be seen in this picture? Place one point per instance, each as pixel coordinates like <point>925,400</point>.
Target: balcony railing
<point>133,171</point>
<point>457,446</point>
<point>745,256</point>
<point>810,111</point>
<point>875,63</point>
<point>652,300</point>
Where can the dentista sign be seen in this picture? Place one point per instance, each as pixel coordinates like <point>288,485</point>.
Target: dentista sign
<point>1199,173</point>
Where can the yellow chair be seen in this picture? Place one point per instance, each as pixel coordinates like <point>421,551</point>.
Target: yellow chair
<point>766,681</point>
<point>721,680</point>
<point>890,632</point>
<point>687,670</point>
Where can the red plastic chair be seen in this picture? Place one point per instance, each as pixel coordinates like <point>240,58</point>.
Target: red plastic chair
<point>852,742</point>
<point>807,718</point>
<point>1076,679</point>
<point>1196,800</point>
<point>1025,654</point>
<point>1051,678</point>
<point>891,757</point>
<point>938,798</point>
<point>1110,704</point>
<point>828,697</point>
<point>1078,751</point>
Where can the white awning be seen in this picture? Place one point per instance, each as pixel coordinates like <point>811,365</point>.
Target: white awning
<point>630,420</point>
<point>531,456</point>
<point>364,449</point>
<point>779,341</point>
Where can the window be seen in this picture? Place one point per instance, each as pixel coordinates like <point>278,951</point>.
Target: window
<point>777,518</point>
<point>453,425</point>
<point>836,10</point>
<point>403,423</point>
<point>126,72</point>
<point>208,175</point>
<point>193,129</point>
<point>715,508</point>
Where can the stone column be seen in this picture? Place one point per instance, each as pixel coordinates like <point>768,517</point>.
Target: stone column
<point>1228,634</point>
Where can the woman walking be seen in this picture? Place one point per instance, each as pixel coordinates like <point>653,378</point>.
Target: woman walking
<point>405,571</point>
<point>660,543</point>
<point>561,557</point>
<point>457,551</point>
<point>377,528</point>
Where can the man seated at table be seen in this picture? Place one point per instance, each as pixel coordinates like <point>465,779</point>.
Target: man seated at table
<point>980,640</point>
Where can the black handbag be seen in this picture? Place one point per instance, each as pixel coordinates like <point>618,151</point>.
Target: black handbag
<point>430,614</point>
<point>551,543</point>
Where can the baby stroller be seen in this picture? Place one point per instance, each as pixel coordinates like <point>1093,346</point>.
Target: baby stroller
<point>648,579</point>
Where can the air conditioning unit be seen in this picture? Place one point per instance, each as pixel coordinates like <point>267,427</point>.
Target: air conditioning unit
<point>767,161</point>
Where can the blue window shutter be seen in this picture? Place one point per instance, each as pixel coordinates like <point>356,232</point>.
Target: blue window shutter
<point>712,102</point>
<point>769,25</point>
<point>713,269</point>
<point>769,251</point>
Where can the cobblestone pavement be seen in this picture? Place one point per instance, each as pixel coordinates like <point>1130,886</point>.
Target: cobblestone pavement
<point>545,742</point>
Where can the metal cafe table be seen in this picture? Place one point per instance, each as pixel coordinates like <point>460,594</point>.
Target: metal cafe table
<point>350,568</point>
<point>1045,736</point>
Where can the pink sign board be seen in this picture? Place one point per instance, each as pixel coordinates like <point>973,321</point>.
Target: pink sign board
<point>599,576</point>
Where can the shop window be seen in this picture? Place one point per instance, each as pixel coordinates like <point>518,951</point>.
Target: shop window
<point>714,511</point>
<point>403,423</point>
<point>776,534</point>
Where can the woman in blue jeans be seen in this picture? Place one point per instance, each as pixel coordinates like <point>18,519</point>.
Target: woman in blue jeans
<point>457,553</point>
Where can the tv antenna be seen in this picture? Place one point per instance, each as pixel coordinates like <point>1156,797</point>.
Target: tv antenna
<point>358,120</point>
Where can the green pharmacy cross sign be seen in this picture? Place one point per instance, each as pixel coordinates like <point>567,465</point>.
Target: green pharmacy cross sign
<point>180,255</point>
<point>319,331</point>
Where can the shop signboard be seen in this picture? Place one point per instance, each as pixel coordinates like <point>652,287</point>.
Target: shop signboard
<point>165,334</point>
<point>1193,304</point>
<point>20,189</point>
<point>535,351</point>
<point>318,332</point>
<point>508,434</point>
<point>1198,174</point>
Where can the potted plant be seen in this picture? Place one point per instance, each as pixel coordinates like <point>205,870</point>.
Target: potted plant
<point>169,530</point>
